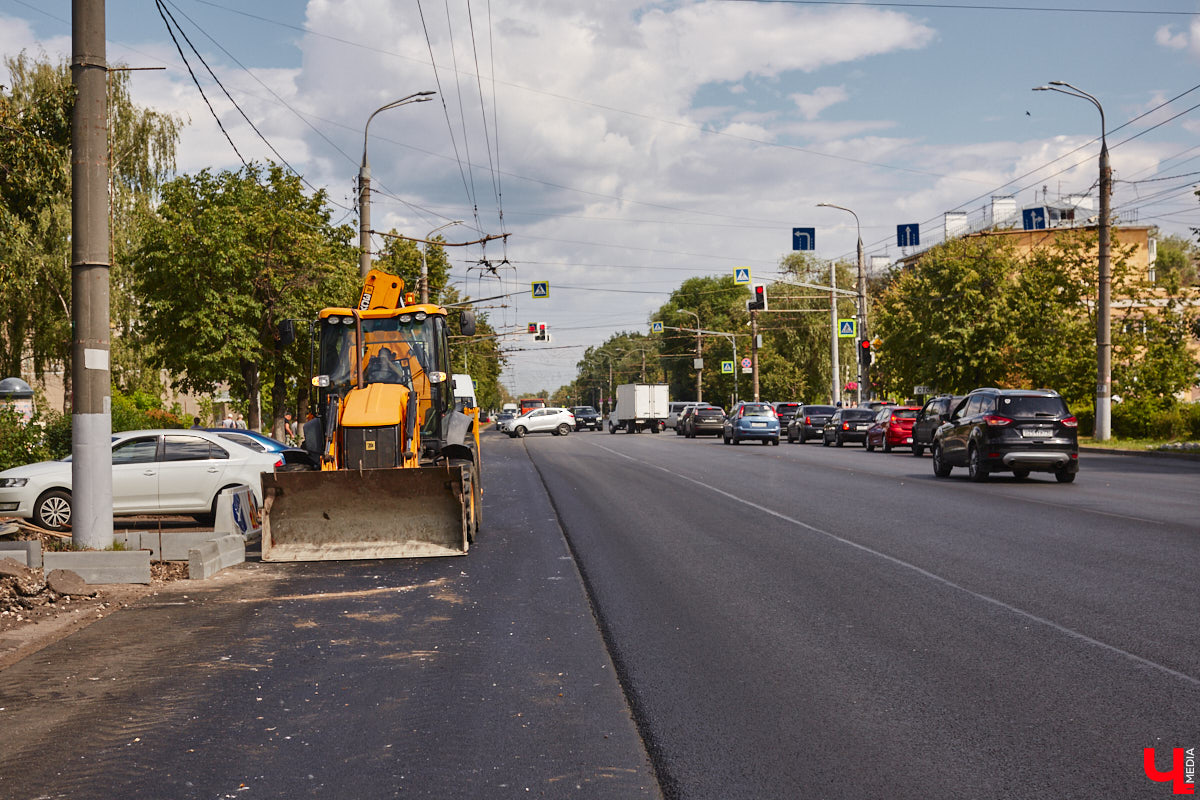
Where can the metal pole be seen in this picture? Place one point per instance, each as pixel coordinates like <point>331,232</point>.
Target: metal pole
<point>1103,424</point>
<point>364,185</point>
<point>753,351</point>
<point>91,403</point>
<point>699,388</point>
<point>864,367</point>
<point>836,394</point>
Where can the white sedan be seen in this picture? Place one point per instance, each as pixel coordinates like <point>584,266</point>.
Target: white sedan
<point>153,472</point>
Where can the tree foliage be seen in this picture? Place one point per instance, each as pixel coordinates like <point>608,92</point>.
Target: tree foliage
<point>226,258</point>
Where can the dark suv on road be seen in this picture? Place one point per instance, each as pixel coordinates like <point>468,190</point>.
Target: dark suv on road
<point>1008,430</point>
<point>586,417</point>
<point>931,416</point>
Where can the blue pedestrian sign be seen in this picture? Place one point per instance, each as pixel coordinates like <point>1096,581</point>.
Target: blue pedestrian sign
<point>908,235</point>
<point>804,238</point>
<point>541,289</point>
<point>726,367</point>
<point>741,275</point>
<point>847,329</point>
<point>656,327</point>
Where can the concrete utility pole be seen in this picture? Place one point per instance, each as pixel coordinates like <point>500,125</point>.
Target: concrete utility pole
<point>364,185</point>
<point>1103,427</point>
<point>835,396</point>
<point>699,387</point>
<point>863,369</point>
<point>91,402</point>
<point>753,351</point>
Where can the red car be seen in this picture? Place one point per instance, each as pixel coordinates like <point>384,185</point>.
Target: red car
<point>892,427</point>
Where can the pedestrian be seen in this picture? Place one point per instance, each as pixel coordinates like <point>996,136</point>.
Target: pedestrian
<point>290,428</point>
<point>195,423</point>
<point>240,421</point>
<point>227,422</point>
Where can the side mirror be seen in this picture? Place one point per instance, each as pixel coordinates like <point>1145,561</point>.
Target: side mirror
<point>467,323</point>
<point>287,332</point>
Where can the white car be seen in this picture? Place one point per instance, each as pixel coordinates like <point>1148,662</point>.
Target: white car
<point>153,472</point>
<point>559,421</point>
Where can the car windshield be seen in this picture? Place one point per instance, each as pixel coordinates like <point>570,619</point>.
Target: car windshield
<point>583,410</point>
<point>905,413</point>
<point>819,409</point>
<point>1032,406</point>
<point>710,412</point>
<point>858,413</point>
<point>757,410</point>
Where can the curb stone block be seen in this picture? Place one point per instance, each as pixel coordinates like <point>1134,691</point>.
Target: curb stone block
<point>103,566</point>
<point>215,555</point>
<point>28,553</point>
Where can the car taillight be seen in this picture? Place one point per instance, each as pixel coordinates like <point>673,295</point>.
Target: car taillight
<point>1071,422</point>
<point>808,420</point>
<point>994,421</point>
<point>845,426</point>
<point>279,463</point>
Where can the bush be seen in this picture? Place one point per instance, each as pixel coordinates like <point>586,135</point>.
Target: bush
<point>23,443</point>
<point>1136,420</point>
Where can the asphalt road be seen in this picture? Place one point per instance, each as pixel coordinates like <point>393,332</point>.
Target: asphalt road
<point>809,622</point>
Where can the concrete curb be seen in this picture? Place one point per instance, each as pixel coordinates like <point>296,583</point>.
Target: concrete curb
<point>28,553</point>
<point>102,566</point>
<point>1169,454</point>
<point>176,545</point>
<point>215,555</point>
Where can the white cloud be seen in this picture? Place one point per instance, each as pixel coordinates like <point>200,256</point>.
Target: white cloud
<point>811,105</point>
<point>1188,39</point>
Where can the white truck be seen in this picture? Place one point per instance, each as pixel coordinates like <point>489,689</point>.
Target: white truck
<point>640,406</point>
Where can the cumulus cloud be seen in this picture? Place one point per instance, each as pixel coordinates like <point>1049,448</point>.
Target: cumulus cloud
<point>811,105</point>
<point>1174,39</point>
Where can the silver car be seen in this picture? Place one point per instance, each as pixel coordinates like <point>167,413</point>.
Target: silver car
<point>559,421</point>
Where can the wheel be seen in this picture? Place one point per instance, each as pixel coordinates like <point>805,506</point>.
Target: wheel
<point>519,431</point>
<point>724,438</point>
<point>976,471</point>
<point>791,439</point>
<point>940,467</point>
<point>838,440</point>
<point>775,442</point>
<point>766,441</point>
<point>824,441</point>
<point>1020,474</point>
<point>887,446</point>
<point>803,438</point>
<point>564,429</point>
<point>1062,476</point>
<point>52,510</point>
<point>867,444</point>
<point>735,439</point>
<point>918,450</point>
<point>211,517</point>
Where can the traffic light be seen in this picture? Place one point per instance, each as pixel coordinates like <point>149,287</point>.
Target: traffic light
<point>759,302</point>
<point>865,356</point>
<point>542,334</point>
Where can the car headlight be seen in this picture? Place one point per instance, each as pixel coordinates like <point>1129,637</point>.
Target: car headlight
<point>12,483</point>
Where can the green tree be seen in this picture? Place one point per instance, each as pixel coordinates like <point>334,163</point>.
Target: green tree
<point>227,257</point>
<point>1176,263</point>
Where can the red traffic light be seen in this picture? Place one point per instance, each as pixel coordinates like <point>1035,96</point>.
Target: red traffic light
<point>533,327</point>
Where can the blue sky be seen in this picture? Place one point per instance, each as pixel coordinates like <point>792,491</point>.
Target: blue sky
<point>631,144</point>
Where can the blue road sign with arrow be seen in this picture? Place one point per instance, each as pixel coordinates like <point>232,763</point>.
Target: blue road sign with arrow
<point>804,238</point>
<point>908,235</point>
<point>1033,219</point>
<point>540,289</point>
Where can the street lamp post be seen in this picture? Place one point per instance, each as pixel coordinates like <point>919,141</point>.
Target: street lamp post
<point>863,369</point>
<point>699,397</point>
<point>424,266</point>
<point>1103,426</point>
<point>364,185</point>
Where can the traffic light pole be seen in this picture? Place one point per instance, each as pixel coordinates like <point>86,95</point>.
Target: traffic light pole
<point>753,351</point>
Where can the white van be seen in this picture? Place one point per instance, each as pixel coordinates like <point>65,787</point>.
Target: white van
<point>464,390</point>
<point>673,410</point>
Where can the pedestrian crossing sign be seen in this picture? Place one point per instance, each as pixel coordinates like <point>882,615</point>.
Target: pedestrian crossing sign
<point>741,275</point>
<point>726,367</point>
<point>656,327</point>
<point>541,289</point>
<point>847,329</point>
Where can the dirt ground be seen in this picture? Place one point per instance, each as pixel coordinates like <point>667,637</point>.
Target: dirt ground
<point>33,614</point>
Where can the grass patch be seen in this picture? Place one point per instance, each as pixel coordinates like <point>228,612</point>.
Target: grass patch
<point>1140,445</point>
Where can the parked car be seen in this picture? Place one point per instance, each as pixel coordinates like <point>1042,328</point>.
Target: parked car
<point>586,417</point>
<point>680,419</point>
<point>892,427</point>
<point>935,411</point>
<point>808,422</point>
<point>847,425</point>
<point>1008,430</point>
<point>153,472</point>
<point>705,421</point>
<point>785,412</point>
<point>294,458</point>
<point>559,421</point>
<point>674,411</point>
<point>751,421</point>
<point>503,417</point>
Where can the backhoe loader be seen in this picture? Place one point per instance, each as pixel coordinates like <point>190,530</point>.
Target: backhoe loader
<point>400,466</point>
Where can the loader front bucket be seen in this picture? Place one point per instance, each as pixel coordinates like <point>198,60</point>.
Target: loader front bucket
<point>347,515</point>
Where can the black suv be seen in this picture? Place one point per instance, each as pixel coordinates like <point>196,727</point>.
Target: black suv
<point>1008,430</point>
<point>586,417</point>
<point>935,411</point>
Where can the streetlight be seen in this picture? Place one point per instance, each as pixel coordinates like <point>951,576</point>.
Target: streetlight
<point>364,185</point>
<point>424,268</point>
<point>699,397</point>
<point>1103,426</point>
<point>862,298</point>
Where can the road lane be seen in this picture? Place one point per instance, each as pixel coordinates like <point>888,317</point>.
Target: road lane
<point>840,624</point>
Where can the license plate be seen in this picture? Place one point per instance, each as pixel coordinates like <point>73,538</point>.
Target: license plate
<point>758,424</point>
<point>1037,433</point>
<point>863,427</point>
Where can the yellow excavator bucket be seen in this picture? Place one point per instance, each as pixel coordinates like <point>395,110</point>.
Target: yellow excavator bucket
<point>346,515</point>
